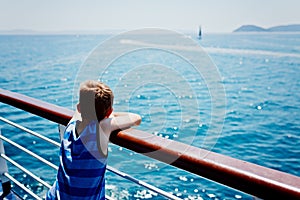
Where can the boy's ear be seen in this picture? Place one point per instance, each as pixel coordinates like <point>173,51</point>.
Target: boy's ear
<point>78,107</point>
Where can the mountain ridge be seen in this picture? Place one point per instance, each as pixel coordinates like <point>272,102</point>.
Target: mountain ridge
<point>281,28</point>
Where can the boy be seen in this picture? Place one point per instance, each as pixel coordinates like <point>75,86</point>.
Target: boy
<point>83,152</point>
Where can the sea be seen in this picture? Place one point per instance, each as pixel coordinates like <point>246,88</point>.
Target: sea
<point>255,116</point>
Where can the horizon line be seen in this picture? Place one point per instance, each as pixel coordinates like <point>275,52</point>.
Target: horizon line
<point>100,31</point>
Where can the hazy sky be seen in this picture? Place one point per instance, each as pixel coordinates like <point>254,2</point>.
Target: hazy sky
<point>212,15</point>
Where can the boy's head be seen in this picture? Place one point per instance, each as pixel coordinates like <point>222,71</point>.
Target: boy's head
<point>95,100</point>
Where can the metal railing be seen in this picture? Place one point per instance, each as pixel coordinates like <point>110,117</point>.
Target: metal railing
<point>250,178</point>
<point>44,161</point>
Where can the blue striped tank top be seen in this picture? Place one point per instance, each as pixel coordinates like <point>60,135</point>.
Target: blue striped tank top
<point>82,166</point>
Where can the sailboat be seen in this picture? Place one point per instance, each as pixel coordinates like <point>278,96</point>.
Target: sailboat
<point>200,33</point>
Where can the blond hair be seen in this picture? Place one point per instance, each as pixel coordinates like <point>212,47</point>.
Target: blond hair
<point>95,99</point>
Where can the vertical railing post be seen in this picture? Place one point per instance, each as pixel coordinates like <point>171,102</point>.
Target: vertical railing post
<point>6,186</point>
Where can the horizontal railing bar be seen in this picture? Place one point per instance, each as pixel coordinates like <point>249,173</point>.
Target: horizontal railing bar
<point>259,181</point>
<point>30,131</point>
<point>48,111</point>
<point>7,175</point>
<point>38,179</point>
<point>109,168</point>
<point>29,152</point>
<point>144,184</point>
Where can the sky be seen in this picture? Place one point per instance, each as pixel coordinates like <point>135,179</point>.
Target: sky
<point>214,16</point>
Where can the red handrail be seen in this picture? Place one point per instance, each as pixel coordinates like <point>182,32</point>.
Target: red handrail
<point>253,179</point>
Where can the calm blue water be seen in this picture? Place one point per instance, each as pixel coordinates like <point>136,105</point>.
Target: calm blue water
<point>260,74</point>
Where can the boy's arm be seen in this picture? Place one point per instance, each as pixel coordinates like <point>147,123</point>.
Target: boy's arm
<point>114,122</point>
<point>119,120</point>
<point>123,120</point>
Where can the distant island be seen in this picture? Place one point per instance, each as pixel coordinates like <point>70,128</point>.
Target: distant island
<point>284,28</point>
